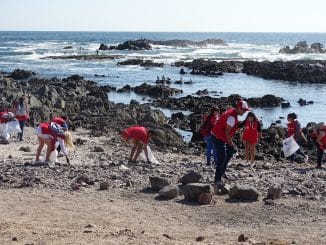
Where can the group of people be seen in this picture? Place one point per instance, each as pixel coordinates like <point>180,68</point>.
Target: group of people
<point>53,134</point>
<point>220,126</point>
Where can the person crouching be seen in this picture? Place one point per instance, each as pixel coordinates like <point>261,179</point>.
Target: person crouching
<point>140,138</point>
<point>48,134</point>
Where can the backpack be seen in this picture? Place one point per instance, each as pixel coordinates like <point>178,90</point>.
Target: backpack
<point>21,110</point>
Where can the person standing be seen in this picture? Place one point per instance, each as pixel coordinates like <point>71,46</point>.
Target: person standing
<point>206,128</point>
<point>294,128</point>
<point>251,133</point>
<point>320,132</point>
<point>222,133</point>
<point>22,115</point>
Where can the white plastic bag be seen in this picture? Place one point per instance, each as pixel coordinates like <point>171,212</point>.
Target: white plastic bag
<point>4,131</point>
<point>151,157</point>
<point>13,127</point>
<point>290,146</point>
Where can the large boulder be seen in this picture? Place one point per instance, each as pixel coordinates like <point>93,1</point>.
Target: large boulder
<point>169,191</point>
<point>156,91</point>
<point>157,183</point>
<point>140,44</point>
<point>192,191</point>
<point>191,177</point>
<point>246,193</point>
<point>103,47</point>
<point>141,62</point>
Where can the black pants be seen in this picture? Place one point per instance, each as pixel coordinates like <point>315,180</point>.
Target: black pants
<point>224,154</point>
<point>320,154</point>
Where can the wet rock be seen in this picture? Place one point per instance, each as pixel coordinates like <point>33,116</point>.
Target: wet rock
<point>274,192</point>
<point>169,191</point>
<point>141,62</point>
<point>191,177</point>
<point>192,191</point>
<point>140,44</point>
<point>242,192</point>
<point>302,47</point>
<point>103,47</point>
<point>21,74</point>
<point>156,91</point>
<point>157,183</point>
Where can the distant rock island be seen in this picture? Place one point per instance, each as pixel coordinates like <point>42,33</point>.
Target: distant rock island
<point>302,47</point>
<point>145,44</point>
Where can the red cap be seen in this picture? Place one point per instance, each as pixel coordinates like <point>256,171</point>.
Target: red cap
<point>242,105</point>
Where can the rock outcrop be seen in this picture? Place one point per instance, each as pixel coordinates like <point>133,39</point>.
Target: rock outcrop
<point>303,47</point>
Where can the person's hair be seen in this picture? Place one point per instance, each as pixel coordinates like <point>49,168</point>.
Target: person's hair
<point>68,140</point>
<point>214,109</point>
<point>251,114</point>
<point>21,100</point>
<point>64,117</point>
<point>222,110</point>
<point>292,116</point>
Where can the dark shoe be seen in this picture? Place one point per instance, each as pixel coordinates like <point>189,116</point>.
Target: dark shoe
<point>218,184</point>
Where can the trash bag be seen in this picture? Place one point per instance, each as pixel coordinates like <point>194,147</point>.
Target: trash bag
<point>151,157</point>
<point>290,146</point>
<point>4,131</point>
<point>13,127</point>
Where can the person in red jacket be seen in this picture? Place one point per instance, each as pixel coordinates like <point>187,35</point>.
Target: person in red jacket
<point>5,117</point>
<point>48,134</point>
<point>140,137</point>
<point>294,128</point>
<point>206,128</point>
<point>251,133</point>
<point>222,133</point>
<point>62,121</point>
<point>22,114</point>
<point>320,131</point>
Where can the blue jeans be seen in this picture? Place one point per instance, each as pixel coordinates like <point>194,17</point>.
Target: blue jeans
<point>22,125</point>
<point>209,148</point>
<point>225,153</point>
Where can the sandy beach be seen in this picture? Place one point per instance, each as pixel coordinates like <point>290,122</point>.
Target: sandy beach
<point>41,205</point>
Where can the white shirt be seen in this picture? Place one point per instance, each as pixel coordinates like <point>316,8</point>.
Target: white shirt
<point>230,121</point>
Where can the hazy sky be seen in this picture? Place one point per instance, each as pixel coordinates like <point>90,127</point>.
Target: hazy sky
<point>164,15</point>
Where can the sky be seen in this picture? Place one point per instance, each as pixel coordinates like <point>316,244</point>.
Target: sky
<point>164,15</point>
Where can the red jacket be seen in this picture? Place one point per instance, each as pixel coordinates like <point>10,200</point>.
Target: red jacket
<point>208,124</point>
<point>251,132</point>
<point>60,121</point>
<point>46,129</point>
<point>323,139</point>
<point>137,133</point>
<point>219,128</point>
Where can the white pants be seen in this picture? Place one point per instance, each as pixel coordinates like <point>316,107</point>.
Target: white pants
<point>4,131</point>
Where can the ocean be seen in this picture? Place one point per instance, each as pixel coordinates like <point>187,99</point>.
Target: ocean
<point>26,50</point>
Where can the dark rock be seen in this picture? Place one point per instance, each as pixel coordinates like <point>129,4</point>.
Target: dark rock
<point>246,193</point>
<point>285,104</point>
<point>202,92</point>
<point>21,74</point>
<point>68,47</point>
<point>15,239</point>
<point>25,149</point>
<point>169,191</point>
<point>302,47</point>
<point>156,91</point>
<point>103,47</point>
<point>104,185</point>
<point>242,238</point>
<point>274,192</point>
<point>191,177</point>
<point>141,62</point>
<point>200,238</point>
<point>157,183</point>
<point>192,191</point>
<point>140,44</point>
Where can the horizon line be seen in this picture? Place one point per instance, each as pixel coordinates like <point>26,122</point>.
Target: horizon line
<point>305,32</point>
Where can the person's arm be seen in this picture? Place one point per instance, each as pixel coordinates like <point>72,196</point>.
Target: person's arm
<point>228,135</point>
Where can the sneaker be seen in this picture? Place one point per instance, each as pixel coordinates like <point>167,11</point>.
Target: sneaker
<point>306,158</point>
<point>218,184</point>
